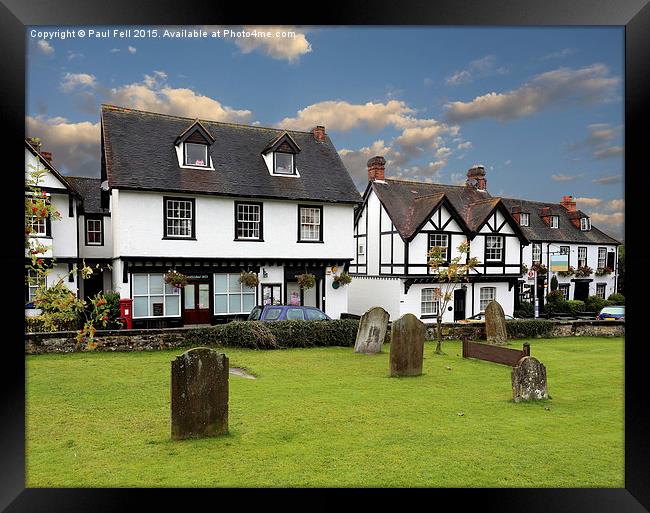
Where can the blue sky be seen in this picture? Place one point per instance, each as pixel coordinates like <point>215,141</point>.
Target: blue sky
<point>540,108</point>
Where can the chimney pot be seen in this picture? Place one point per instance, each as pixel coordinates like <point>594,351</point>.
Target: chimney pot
<point>376,168</point>
<point>319,133</point>
<point>476,177</point>
<point>568,203</point>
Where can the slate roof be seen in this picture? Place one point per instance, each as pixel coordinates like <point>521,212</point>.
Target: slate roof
<point>140,154</point>
<point>90,191</point>
<point>566,231</point>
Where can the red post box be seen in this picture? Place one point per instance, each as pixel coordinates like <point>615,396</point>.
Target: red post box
<point>126,311</point>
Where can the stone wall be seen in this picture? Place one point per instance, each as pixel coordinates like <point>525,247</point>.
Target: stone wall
<point>152,340</point>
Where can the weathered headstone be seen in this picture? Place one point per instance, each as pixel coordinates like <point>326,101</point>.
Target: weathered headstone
<point>199,394</point>
<point>407,346</point>
<point>529,380</point>
<point>371,331</point>
<point>495,324</point>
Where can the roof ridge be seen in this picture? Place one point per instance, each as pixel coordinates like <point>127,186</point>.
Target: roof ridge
<point>404,180</point>
<point>118,108</point>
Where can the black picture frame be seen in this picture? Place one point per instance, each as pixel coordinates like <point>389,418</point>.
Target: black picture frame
<point>633,14</point>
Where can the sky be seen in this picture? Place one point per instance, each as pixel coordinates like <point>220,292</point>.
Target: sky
<point>541,108</point>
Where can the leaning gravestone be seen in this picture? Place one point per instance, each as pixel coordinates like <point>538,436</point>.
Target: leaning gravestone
<point>529,380</point>
<point>407,346</point>
<point>199,394</point>
<point>495,324</point>
<point>372,331</point>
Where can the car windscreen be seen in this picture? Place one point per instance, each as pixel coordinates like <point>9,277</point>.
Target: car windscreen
<point>295,314</point>
<point>614,310</point>
<point>272,314</point>
<point>315,315</point>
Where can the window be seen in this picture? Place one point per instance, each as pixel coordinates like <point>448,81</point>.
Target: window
<point>582,256</point>
<point>283,163</point>
<point>601,289</point>
<point>232,296</point>
<point>196,154</point>
<point>315,315</point>
<point>295,314</point>
<point>39,225</point>
<point>94,232</point>
<point>34,282</point>
<point>494,248</point>
<point>566,250</point>
<point>524,219</point>
<point>360,249</point>
<point>555,222</point>
<point>602,258</point>
<point>564,288</point>
<point>487,294</point>
<point>310,227</point>
<point>537,252</point>
<point>152,297</point>
<point>429,301</point>
<point>272,314</point>
<point>440,240</point>
<point>585,224</point>
<point>179,218</point>
<point>248,221</point>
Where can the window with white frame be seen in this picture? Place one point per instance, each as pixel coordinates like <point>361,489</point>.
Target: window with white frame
<point>429,302</point>
<point>602,258</point>
<point>94,232</point>
<point>555,222</point>
<point>524,219</point>
<point>179,214</point>
<point>494,248</point>
<point>487,294</point>
<point>34,282</point>
<point>249,221</point>
<point>310,224</point>
<point>196,154</point>
<point>582,256</point>
<point>537,253</point>
<point>564,288</point>
<point>152,297</point>
<point>37,224</point>
<point>231,296</point>
<point>601,289</point>
<point>440,240</point>
<point>585,224</point>
<point>283,163</point>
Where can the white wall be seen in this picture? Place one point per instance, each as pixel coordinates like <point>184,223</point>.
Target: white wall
<point>336,300</point>
<point>89,251</point>
<point>366,292</point>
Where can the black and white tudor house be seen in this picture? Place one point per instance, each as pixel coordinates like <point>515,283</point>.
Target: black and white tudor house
<point>211,200</point>
<point>400,220</point>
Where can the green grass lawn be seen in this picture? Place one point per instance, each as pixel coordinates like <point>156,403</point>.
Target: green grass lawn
<point>329,417</point>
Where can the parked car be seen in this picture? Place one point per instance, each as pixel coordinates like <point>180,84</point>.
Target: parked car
<point>272,313</point>
<point>612,313</point>
<point>480,317</point>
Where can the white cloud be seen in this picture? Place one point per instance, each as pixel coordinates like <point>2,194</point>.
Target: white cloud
<point>479,68</point>
<point>587,84</point>
<point>588,202</point>
<point>132,49</point>
<point>280,46</point>
<point>115,50</point>
<point>611,151</point>
<point>616,204</point>
<point>464,145</point>
<point>615,219</point>
<point>74,146</point>
<point>45,47</point>
<point>72,81</point>
<point>458,178</point>
<point>565,178</point>
<point>507,162</point>
<point>73,55</point>
<point>356,161</point>
<point>608,180</point>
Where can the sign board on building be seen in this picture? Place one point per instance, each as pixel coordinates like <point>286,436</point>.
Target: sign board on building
<point>157,309</point>
<point>559,263</point>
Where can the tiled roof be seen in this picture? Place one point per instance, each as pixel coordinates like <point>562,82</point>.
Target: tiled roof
<point>140,154</point>
<point>90,191</point>
<point>566,231</point>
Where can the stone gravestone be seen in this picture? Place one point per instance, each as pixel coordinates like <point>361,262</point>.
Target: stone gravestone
<point>495,324</point>
<point>529,380</point>
<point>407,346</point>
<point>372,331</point>
<point>199,394</point>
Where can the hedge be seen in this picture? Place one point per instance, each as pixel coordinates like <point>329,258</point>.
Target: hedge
<point>527,329</point>
<point>280,334</point>
<point>36,324</point>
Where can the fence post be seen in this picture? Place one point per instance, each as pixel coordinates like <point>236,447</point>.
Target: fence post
<point>526,349</point>
<point>465,343</point>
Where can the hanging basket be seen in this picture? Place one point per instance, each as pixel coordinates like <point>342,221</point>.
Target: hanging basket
<point>342,279</point>
<point>306,281</point>
<point>249,279</point>
<point>335,285</point>
<point>175,279</point>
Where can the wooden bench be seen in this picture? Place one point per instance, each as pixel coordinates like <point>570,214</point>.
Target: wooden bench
<point>496,354</point>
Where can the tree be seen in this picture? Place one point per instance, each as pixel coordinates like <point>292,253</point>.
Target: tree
<point>448,273</point>
<point>59,305</point>
<point>554,283</point>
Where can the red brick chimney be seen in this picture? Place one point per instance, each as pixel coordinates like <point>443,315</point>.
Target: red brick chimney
<point>319,133</point>
<point>376,168</point>
<point>476,178</point>
<point>47,155</point>
<point>568,203</point>
<point>516,213</point>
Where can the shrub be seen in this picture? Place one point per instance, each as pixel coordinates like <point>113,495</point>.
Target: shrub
<point>554,283</point>
<point>595,304</point>
<point>525,310</point>
<point>529,329</point>
<point>616,299</point>
<point>575,306</point>
<point>38,324</point>
<point>555,302</point>
<point>250,334</point>
<point>583,271</point>
<point>113,301</point>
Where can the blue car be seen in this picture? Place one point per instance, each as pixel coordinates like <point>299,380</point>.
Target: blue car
<point>612,313</point>
<point>272,313</point>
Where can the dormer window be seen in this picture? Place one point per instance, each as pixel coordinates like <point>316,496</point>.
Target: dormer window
<point>283,163</point>
<point>555,222</point>
<point>585,224</point>
<point>524,219</point>
<point>196,154</point>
